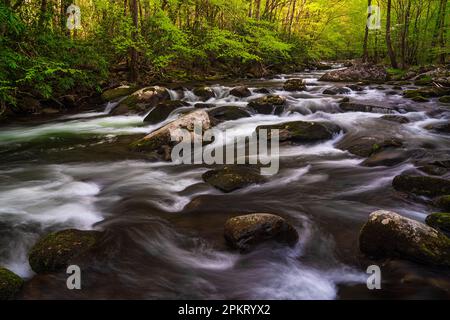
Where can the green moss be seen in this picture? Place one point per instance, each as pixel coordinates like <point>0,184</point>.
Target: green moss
<point>10,284</point>
<point>113,94</point>
<point>444,99</point>
<point>423,81</point>
<point>54,251</point>
<point>439,221</point>
<point>419,99</point>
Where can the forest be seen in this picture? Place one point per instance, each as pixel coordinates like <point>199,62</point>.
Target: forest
<point>145,41</point>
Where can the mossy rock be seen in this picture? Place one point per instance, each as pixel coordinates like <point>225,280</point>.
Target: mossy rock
<point>388,234</point>
<point>227,113</point>
<point>294,85</point>
<point>420,99</point>
<point>444,99</point>
<point>10,284</point>
<point>422,185</point>
<point>302,131</point>
<point>231,178</point>
<point>443,202</point>
<point>140,101</point>
<point>55,250</point>
<point>268,105</point>
<point>241,92</point>
<point>440,221</point>
<point>426,92</point>
<point>367,146</point>
<point>246,231</point>
<point>115,93</point>
<point>205,93</point>
<point>162,111</point>
<point>336,90</point>
<point>423,80</point>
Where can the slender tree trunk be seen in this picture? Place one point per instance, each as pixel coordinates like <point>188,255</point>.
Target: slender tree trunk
<point>442,30</point>
<point>258,9</point>
<point>134,75</point>
<point>366,35</point>
<point>405,34</point>
<point>388,37</point>
<point>43,14</point>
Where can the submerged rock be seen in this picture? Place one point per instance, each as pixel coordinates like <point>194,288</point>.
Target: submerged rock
<point>55,251</point>
<point>439,221</point>
<point>10,284</point>
<point>442,127</point>
<point>142,100</point>
<point>294,85</point>
<point>241,92</point>
<point>388,234</point>
<point>422,185</point>
<point>262,90</point>
<point>367,146</point>
<point>227,113</point>
<point>205,93</point>
<point>389,157</point>
<point>115,93</point>
<point>163,110</point>
<point>336,90</point>
<point>358,72</point>
<point>268,104</point>
<point>302,131</point>
<point>231,178</point>
<point>160,140</point>
<point>395,118</point>
<point>246,231</point>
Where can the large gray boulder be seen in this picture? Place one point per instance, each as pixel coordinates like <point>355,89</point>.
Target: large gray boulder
<point>246,231</point>
<point>160,140</point>
<point>388,234</point>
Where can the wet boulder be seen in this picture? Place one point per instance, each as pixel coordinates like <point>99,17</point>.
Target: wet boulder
<point>241,92</point>
<point>358,107</point>
<point>164,139</point>
<point>118,92</point>
<point>366,146</point>
<point>141,101</point>
<point>355,87</point>
<point>387,158</point>
<point>268,105</point>
<point>262,90</point>
<point>10,284</point>
<point>336,90</point>
<point>227,113</point>
<point>163,109</point>
<point>55,251</point>
<point>388,234</point>
<point>433,170</point>
<point>358,72</point>
<point>204,105</point>
<point>426,92</point>
<point>205,93</point>
<point>443,202</point>
<point>422,185</point>
<point>420,99</point>
<point>439,221</point>
<point>302,131</point>
<point>230,178</point>
<point>294,85</point>
<point>246,231</point>
<point>395,118</point>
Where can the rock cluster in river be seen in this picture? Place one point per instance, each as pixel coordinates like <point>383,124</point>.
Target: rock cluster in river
<point>246,231</point>
<point>356,73</point>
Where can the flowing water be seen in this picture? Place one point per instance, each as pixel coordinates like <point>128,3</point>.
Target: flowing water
<point>164,225</point>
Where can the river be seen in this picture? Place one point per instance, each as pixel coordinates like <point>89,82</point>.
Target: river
<point>164,225</point>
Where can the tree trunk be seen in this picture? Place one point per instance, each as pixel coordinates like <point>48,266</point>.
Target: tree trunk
<point>388,37</point>
<point>442,29</point>
<point>405,34</point>
<point>133,52</point>
<point>366,35</point>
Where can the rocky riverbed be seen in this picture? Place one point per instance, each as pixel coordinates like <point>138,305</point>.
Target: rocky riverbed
<point>363,180</point>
